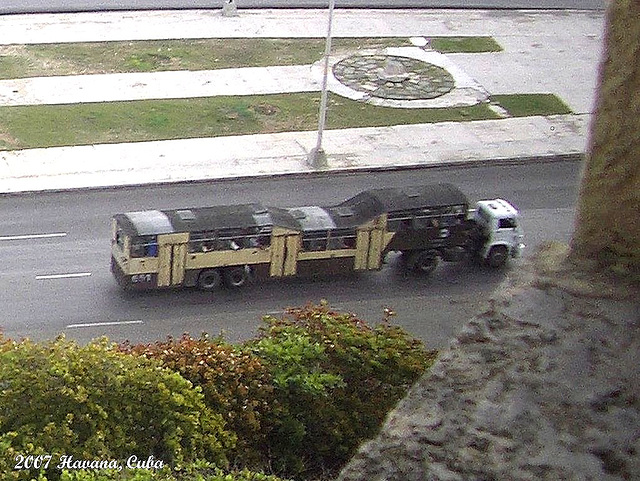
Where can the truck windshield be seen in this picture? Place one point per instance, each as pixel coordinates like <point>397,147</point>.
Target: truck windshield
<point>507,223</point>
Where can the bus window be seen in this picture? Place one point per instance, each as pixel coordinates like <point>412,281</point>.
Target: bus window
<point>151,249</point>
<point>398,221</point>
<point>231,239</point>
<point>260,238</point>
<point>120,239</point>
<point>144,246</point>
<point>195,242</point>
<point>424,222</point>
<point>263,239</point>
<point>202,241</point>
<point>342,239</point>
<point>315,240</point>
<point>209,241</point>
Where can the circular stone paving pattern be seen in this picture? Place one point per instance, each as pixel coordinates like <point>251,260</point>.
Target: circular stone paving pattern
<point>393,77</point>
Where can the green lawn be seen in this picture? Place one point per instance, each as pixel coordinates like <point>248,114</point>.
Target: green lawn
<point>79,124</point>
<point>525,105</point>
<point>20,61</point>
<point>465,44</point>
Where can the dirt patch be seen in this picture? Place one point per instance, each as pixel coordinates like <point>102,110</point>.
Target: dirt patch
<point>265,109</point>
<point>7,142</point>
<point>21,61</point>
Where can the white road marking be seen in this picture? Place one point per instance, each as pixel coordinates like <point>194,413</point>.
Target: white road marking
<point>102,324</point>
<point>32,236</point>
<point>64,276</point>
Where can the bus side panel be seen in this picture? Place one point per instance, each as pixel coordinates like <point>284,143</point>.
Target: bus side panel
<point>325,268</point>
<point>291,254</point>
<point>362,250</point>
<point>206,260</point>
<point>165,262</point>
<point>375,249</point>
<point>278,243</point>
<point>178,264</point>
<point>172,251</point>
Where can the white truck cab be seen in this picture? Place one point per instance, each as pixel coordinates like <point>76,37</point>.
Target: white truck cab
<point>500,232</point>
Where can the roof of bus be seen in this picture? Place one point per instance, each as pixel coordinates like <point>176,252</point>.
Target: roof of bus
<point>200,219</point>
<point>353,212</point>
<point>407,198</point>
<point>395,199</point>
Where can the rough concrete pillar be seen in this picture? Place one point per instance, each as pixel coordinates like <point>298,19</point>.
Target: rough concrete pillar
<point>607,231</point>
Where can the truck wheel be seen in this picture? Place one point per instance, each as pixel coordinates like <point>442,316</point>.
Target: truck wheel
<point>424,262</point>
<point>236,277</point>
<point>209,279</point>
<point>497,256</point>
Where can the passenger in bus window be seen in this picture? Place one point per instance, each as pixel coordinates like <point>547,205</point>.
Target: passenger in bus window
<point>152,247</point>
<point>262,241</point>
<point>406,224</point>
<point>350,242</point>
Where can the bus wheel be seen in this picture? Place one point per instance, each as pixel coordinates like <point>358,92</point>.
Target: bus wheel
<point>209,279</point>
<point>424,262</point>
<point>236,277</point>
<point>497,256</point>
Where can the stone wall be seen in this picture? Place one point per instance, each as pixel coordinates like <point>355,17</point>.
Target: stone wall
<point>544,385</point>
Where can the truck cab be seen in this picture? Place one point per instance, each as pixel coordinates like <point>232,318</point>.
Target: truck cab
<point>499,232</point>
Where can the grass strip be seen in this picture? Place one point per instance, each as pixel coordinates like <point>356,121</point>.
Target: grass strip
<point>39,60</point>
<point>465,44</point>
<point>527,105</point>
<point>81,124</point>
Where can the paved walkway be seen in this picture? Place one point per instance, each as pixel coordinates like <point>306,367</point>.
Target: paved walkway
<point>544,52</point>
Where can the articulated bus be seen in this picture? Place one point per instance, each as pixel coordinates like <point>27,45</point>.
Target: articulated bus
<point>207,247</point>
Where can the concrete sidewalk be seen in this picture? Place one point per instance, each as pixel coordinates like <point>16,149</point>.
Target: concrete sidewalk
<point>544,52</point>
<point>396,147</point>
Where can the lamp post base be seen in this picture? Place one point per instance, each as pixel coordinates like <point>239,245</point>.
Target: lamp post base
<point>229,8</point>
<point>317,158</point>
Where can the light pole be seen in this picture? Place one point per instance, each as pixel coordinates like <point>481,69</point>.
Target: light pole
<point>317,156</point>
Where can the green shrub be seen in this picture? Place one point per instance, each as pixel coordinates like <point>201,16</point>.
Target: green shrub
<point>197,472</point>
<point>303,387</point>
<point>235,384</point>
<point>303,395</point>
<point>335,378</point>
<point>300,398</point>
<point>95,402</point>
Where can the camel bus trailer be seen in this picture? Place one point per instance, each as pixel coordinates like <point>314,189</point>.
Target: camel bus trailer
<point>206,247</point>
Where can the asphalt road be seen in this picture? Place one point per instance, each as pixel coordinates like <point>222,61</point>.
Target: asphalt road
<point>54,251</point>
<point>38,6</point>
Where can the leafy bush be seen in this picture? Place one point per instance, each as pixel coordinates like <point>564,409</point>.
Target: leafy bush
<point>302,387</point>
<point>335,378</point>
<point>197,472</point>
<point>235,384</point>
<point>303,395</point>
<point>95,402</point>
<point>299,398</point>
